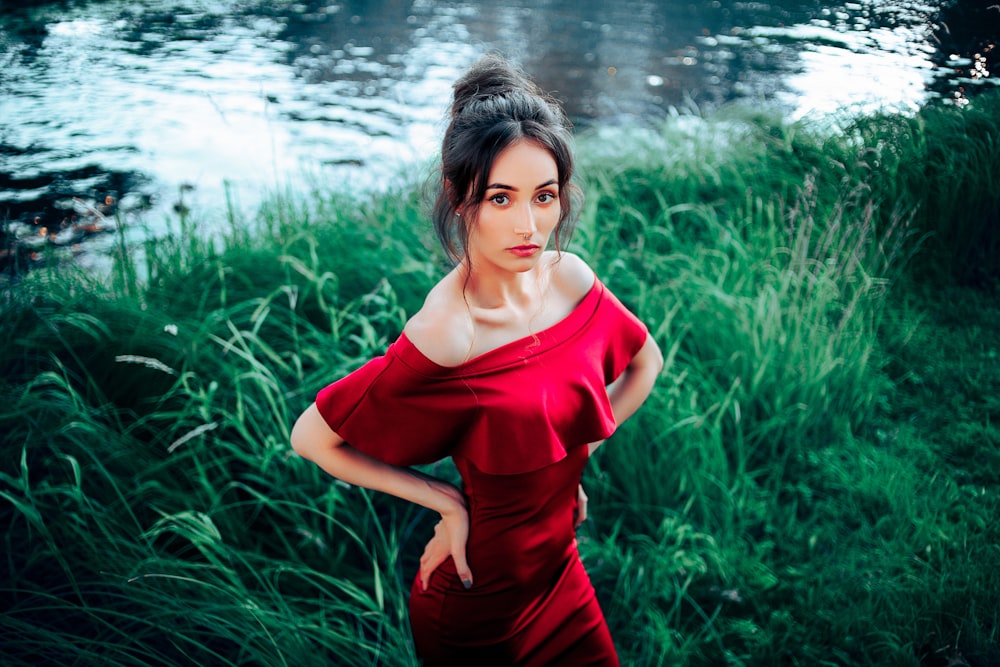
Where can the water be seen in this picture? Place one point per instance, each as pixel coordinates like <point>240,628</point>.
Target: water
<point>169,107</point>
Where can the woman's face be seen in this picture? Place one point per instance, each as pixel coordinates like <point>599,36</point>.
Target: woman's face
<point>520,209</point>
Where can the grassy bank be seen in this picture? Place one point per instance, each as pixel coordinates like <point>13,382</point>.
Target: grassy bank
<point>813,481</point>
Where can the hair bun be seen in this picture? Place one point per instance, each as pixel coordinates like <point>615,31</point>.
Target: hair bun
<point>491,76</point>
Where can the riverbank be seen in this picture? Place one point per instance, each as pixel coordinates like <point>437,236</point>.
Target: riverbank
<point>813,481</point>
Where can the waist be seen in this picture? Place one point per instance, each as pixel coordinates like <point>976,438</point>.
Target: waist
<point>522,527</point>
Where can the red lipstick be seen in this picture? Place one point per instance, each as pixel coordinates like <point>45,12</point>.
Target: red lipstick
<point>524,250</point>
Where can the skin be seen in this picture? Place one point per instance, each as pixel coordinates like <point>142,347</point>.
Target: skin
<point>513,288</point>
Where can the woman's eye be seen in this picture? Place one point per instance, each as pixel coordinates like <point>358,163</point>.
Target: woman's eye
<point>546,197</point>
<point>500,199</point>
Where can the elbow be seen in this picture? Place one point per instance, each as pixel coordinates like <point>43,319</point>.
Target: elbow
<point>658,362</point>
<point>652,358</point>
<point>311,435</point>
<point>649,365</point>
<point>299,441</point>
<point>304,433</point>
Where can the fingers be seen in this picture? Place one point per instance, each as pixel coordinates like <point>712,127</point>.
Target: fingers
<point>458,541</point>
<point>581,506</point>
<point>464,573</point>
<point>427,566</point>
<point>434,554</point>
<point>456,528</point>
<point>450,537</point>
<point>438,550</point>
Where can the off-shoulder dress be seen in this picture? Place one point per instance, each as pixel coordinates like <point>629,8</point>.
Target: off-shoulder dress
<point>516,421</point>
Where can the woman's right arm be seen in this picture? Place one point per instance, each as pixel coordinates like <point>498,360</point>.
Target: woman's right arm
<point>313,439</point>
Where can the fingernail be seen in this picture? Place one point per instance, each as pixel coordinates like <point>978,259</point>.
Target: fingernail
<point>467,583</point>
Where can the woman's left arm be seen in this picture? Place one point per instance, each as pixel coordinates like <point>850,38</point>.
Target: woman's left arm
<point>635,383</point>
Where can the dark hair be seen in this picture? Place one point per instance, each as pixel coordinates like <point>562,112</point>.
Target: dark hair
<point>494,105</point>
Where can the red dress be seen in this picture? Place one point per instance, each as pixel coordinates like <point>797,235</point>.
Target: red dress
<point>516,421</point>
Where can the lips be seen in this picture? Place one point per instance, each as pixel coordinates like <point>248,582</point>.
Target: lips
<point>524,250</point>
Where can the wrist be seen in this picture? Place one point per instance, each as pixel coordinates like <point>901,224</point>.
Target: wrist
<point>448,500</point>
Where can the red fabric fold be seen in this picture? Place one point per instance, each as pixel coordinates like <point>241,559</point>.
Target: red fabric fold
<point>511,410</point>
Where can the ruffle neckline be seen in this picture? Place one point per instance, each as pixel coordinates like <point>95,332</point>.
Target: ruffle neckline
<point>508,353</point>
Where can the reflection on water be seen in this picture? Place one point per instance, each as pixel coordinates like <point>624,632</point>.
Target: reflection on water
<point>137,99</point>
<point>968,37</point>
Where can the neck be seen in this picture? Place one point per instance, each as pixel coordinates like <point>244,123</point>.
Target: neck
<point>496,289</point>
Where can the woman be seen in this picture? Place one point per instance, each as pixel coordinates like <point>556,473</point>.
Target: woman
<point>518,365</point>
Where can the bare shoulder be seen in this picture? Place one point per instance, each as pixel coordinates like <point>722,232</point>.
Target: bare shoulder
<point>442,329</point>
<point>571,276</point>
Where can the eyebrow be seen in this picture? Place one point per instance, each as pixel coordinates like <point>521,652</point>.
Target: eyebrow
<point>501,186</point>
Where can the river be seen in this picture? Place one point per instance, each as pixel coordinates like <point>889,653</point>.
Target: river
<point>153,108</point>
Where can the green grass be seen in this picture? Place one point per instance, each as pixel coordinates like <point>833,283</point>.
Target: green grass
<point>812,482</point>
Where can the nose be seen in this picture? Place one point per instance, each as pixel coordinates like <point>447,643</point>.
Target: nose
<point>526,222</point>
